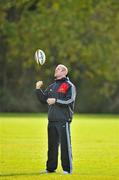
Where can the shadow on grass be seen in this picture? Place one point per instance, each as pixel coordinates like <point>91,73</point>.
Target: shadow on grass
<point>19,174</point>
<point>27,174</point>
<point>30,174</point>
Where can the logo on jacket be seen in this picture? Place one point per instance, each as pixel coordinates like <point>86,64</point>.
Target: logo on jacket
<point>63,88</point>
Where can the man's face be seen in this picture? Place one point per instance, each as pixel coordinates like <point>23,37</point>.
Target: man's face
<point>59,72</point>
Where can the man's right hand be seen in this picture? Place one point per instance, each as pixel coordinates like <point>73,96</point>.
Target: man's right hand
<point>39,84</point>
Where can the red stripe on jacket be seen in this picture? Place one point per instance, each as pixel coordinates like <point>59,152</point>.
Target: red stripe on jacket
<point>63,88</point>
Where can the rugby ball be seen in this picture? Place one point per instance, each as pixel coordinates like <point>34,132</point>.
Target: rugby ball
<point>40,56</point>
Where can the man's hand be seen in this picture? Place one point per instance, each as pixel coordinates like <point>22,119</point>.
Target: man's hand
<point>51,101</point>
<point>39,84</point>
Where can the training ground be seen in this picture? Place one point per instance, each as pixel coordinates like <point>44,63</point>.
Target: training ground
<point>23,147</point>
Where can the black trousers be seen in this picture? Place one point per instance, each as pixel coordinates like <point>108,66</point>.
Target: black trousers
<point>59,133</point>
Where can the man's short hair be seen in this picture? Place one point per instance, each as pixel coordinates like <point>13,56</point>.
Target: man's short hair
<point>64,68</point>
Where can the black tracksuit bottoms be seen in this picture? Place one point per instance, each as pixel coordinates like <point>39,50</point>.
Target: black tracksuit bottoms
<point>59,133</point>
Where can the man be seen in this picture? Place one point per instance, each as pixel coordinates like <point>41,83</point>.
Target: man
<point>60,97</point>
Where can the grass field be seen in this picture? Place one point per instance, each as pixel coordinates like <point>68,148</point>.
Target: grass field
<point>23,147</point>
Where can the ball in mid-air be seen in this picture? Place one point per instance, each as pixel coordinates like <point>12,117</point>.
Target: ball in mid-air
<point>40,56</point>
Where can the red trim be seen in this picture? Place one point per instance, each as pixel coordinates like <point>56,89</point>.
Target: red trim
<point>63,88</point>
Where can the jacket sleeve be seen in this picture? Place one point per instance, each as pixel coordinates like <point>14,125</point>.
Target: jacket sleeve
<point>42,95</point>
<point>69,98</point>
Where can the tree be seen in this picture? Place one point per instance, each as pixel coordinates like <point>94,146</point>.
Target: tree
<point>83,35</point>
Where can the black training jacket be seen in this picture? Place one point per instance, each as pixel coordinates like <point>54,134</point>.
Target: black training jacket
<point>64,92</point>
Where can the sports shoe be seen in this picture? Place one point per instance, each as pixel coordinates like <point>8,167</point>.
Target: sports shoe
<point>66,172</point>
<point>46,172</point>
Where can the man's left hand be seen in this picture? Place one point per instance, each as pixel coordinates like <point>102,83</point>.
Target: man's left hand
<point>51,101</point>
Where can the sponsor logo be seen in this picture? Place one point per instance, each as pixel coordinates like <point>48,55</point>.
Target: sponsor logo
<point>63,88</point>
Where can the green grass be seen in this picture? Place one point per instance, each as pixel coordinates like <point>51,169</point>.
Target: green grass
<point>23,147</point>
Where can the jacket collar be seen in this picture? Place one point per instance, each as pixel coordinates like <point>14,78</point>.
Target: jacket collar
<point>62,79</point>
